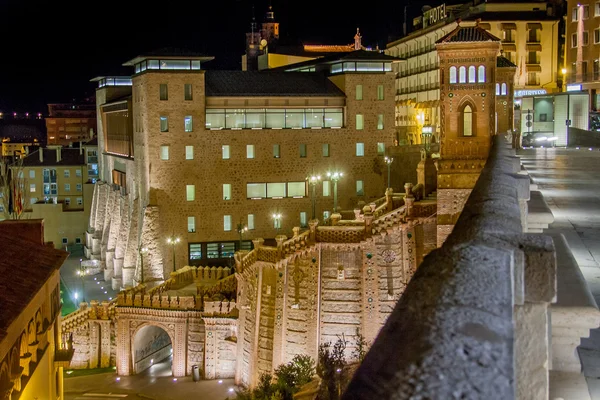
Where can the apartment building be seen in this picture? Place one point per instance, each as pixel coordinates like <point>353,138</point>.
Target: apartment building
<point>198,155</point>
<point>529,32</point>
<point>582,62</point>
<point>67,123</point>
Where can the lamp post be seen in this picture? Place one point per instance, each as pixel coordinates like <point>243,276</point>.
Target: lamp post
<point>335,177</point>
<point>141,252</point>
<point>173,241</point>
<point>564,78</point>
<point>82,272</point>
<point>277,219</point>
<point>426,133</point>
<point>241,229</point>
<point>388,161</point>
<point>312,181</point>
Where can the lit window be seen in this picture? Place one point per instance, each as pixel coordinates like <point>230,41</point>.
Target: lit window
<point>462,75</point>
<point>472,77</point>
<point>296,189</point>
<point>574,40</point>
<point>360,149</point>
<point>187,91</point>
<point>78,172</point>
<point>188,125</point>
<point>67,187</point>
<point>585,38</point>
<point>303,219</point>
<point>250,221</point>
<point>275,190</point>
<point>380,92</point>
<point>481,74</point>
<point>32,187</point>
<point>164,92</point>
<point>503,90</point>
<point>326,215</point>
<point>303,151</point>
<point>164,152</point>
<point>359,92</point>
<point>276,153</point>
<point>574,14</point>
<point>190,192</point>
<point>360,188</point>
<point>597,10</point>
<point>191,224</point>
<point>195,251</point>
<point>359,122</point>
<point>164,124</point>
<point>227,223</point>
<point>249,151</point>
<point>227,191</point>
<point>497,89</point>
<point>586,11</point>
<point>326,188</point>
<point>67,173</point>
<point>325,149</point>
<point>79,187</point>
<point>452,74</point>
<point>189,152</point>
<point>31,174</point>
<point>467,121</point>
<point>225,151</point>
<point>380,148</point>
<point>256,190</point>
<point>596,34</point>
<point>79,201</point>
<point>380,121</point>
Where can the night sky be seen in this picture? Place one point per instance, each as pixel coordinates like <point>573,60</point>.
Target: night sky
<point>51,49</point>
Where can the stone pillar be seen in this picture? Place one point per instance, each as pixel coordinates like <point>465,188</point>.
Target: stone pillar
<point>427,175</point>
<point>180,349</point>
<point>370,292</point>
<point>296,231</point>
<point>281,292</point>
<point>335,218</point>
<point>154,268</point>
<point>280,239</point>
<point>105,345</point>
<point>210,350</point>
<point>312,224</point>
<point>258,242</point>
<point>389,199</point>
<point>409,199</point>
<point>124,338</point>
<point>254,372</point>
<point>130,260</point>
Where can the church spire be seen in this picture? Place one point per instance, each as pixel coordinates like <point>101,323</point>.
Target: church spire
<point>270,13</point>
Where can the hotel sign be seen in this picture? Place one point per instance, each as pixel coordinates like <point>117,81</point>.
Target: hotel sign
<point>530,92</point>
<point>434,15</point>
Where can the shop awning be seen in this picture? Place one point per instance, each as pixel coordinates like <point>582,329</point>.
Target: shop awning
<point>534,25</point>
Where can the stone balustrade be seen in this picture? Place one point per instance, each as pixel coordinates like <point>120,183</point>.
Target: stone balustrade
<point>296,243</point>
<point>219,307</point>
<point>473,320</point>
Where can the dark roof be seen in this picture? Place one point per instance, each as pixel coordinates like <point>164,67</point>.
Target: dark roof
<point>93,142</point>
<point>502,62</point>
<point>25,267</point>
<point>69,156</point>
<point>269,83</point>
<point>332,58</point>
<point>508,16</point>
<point>468,34</point>
<point>169,52</point>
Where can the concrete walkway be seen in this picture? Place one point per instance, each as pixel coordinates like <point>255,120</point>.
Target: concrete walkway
<point>570,182</point>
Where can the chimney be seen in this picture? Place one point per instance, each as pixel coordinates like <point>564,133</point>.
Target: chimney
<point>58,153</point>
<point>41,151</point>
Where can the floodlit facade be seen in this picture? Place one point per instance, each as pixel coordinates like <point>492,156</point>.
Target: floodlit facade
<point>530,39</point>
<point>67,123</point>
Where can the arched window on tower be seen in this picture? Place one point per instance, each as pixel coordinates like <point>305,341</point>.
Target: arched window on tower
<point>481,74</point>
<point>472,77</point>
<point>497,89</point>
<point>452,74</point>
<point>467,120</point>
<point>462,75</point>
<point>503,91</point>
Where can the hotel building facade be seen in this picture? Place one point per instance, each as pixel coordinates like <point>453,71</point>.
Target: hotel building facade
<point>190,157</point>
<point>530,39</point>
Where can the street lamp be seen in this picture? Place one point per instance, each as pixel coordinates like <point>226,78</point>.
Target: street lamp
<point>173,241</point>
<point>564,78</point>
<point>277,219</point>
<point>241,229</point>
<point>82,272</point>
<point>313,180</point>
<point>142,251</point>
<point>426,133</point>
<point>335,177</point>
<point>388,161</point>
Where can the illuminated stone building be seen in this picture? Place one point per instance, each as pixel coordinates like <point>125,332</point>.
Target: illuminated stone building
<point>33,351</point>
<point>70,122</point>
<point>193,154</point>
<point>530,39</point>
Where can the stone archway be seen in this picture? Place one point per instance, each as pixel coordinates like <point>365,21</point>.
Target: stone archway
<point>151,345</point>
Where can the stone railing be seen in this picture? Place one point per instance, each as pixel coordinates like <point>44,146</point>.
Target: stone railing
<point>388,220</point>
<point>473,321</point>
<point>245,260</point>
<point>94,310</point>
<point>268,254</point>
<point>297,242</point>
<point>343,234</point>
<point>219,307</point>
<point>162,301</point>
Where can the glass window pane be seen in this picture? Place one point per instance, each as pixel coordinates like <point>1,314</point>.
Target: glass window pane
<point>164,124</point>
<point>452,74</point>
<point>234,118</point>
<point>359,122</point>
<point>303,219</point>
<point>387,66</point>
<point>380,121</point>
<point>255,118</point>
<point>187,91</point>
<point>303,150</point>
<point>314,117</point>
<point>256,190</point>
<point>380,148</point>
<point>227,223</point>
<point>227,249</point>
<point>188,123</point>
<point>349,66</point>
<point>462,75</point>
<point>360,149</point>
<point>360,189</point>
<point>250,221</point>
<point>481,74</point>
<point>276,151</point>
<point>189,152</point>
<point>497,89</point>
<point>195,251</point>
<point>335,68</point>
<point>326,188</point>
<point>152,64</point>
<point>164,94</point>
<point>191,224</point>
<point>275,119</point>
<point>380,92</point>
<point>212,250</point>
<point>503,91</point>
<point>215,119</point>
<point>472,77</point>
<point>296,189</point>
<point>226,191</point>
<point>190,192</point>
<point>275,190</point>
<point>325,149</point>
<point>195,65</point>
<point>294,118</point>
<point>359,92</point>
<point>225,151</point>
<point>467,121</point>
<point>334,118</point>
<point>249,151</point>
<point>164,152</point>
<point>175,64</point>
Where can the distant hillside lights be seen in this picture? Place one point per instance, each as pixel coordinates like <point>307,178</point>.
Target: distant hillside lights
<point>16,115</point>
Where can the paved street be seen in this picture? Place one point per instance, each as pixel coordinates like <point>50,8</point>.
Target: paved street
<point>93,287</point>
<point>154,383</point>
<point>570,182</point>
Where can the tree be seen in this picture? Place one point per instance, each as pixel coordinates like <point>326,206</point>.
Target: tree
<point>331,369</point>
<point>361,346</point>
<point>13,193</point>
<point>293,375</point>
